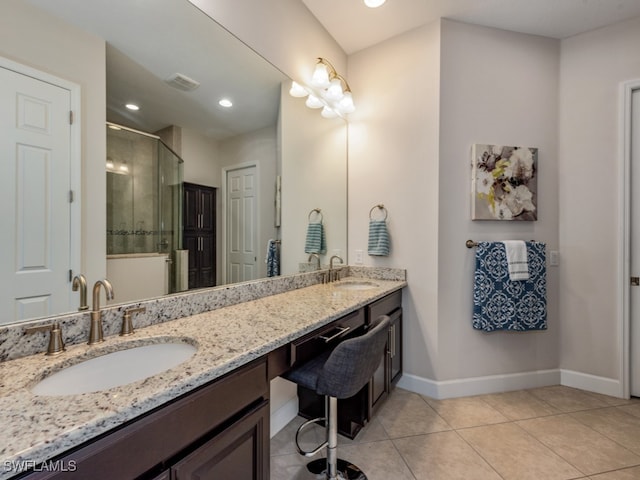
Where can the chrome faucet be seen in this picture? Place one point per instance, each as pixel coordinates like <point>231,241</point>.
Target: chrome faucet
<point>334,275</point>
<point>80,282</point>
<point>317,257</point>
<point>95,333</point>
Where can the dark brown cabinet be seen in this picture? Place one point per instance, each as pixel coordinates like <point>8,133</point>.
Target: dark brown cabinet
<point>355,412</point>
<point>238,452</point>
<point>199,234</point>
<point>218,431</point>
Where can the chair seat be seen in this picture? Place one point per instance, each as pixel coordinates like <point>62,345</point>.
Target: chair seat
<point>307,374</point>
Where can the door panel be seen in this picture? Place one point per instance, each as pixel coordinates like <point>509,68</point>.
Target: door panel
<point>634,349</point>
<point>242,225</point>
<point>35,151</point>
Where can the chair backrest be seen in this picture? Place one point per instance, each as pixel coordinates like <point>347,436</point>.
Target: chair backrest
<point>353,362</point>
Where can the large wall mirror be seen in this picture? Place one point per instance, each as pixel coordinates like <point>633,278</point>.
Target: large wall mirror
<point>268,159</point>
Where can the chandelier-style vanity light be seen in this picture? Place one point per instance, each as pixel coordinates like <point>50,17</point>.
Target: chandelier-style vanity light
<point>327,90</point>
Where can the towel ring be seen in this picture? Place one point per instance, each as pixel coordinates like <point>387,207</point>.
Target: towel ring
<point>316,210</point>
<point>381,207</point>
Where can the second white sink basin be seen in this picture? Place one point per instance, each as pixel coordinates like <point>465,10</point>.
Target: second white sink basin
<point>356,285</point>
<point>115,369</point>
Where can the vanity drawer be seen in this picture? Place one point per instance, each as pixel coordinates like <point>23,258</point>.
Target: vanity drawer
<point>325,338</point>
<point>384,306</point>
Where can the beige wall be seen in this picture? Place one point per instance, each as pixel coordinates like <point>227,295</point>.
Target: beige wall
<point>409,148</point>
<point>593,66</point>
<point>393,160</point>
<point>36,39</point>
<point>497,87</point>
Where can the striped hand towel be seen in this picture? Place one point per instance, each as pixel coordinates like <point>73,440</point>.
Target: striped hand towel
<point>378,238</point>
<point>316,241</point>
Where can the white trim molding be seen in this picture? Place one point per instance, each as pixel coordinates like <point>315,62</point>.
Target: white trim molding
<point>624,221</point>
<point>591,383</point>
<point>479,385</point>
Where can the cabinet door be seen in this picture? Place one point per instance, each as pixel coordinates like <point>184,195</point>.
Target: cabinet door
<point>395,347</point>
<point>240,452</point>
<point>190,207</point>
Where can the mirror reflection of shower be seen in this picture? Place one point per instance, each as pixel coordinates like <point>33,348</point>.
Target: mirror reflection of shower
<point>144,210</point>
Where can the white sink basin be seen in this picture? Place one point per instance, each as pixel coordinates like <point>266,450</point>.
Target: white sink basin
<point>356,285</point>
<point>115,369</point>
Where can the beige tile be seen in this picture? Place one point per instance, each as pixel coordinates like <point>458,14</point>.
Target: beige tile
<point>284,441</point>
<point>405,414</point>
<point>289,467</point>
<point>372,432</point>
<point>614,423</point>
<point>377,460</point>
<point>516,455</point>
<point>587,450</point>
<point>466,412</point>
<point>632,409</point>
<point>627,474</point>
<point>519,405</point>
<point>443,456</point>
<point>568,399</point>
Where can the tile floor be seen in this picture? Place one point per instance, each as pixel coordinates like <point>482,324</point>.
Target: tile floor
<point>550,433</point>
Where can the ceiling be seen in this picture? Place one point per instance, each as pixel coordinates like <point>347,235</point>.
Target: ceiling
<point>355,26</point>
<point>148,41</point>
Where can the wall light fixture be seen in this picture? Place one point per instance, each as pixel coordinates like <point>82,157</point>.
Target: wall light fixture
<point>327,89</point>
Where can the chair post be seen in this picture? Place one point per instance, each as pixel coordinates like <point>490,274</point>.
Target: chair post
<point>332,437</point>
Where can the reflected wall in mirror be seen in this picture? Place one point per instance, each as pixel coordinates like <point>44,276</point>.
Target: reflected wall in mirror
<point>136,47</point>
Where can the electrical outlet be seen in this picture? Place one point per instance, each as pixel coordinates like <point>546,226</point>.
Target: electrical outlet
<point>359,257</point>
<point>554,259</point>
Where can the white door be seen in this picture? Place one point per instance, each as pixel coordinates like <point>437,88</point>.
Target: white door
<point>634,349</point>
<point>35,155</point>
<point>242,228</point>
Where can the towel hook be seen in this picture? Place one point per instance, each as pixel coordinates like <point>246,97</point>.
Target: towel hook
<point>381,207</point>
<point>317,211</point>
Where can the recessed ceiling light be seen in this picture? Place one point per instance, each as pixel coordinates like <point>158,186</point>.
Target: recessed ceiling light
<point>374,3</point>
<point>132,106</point>
<point>225,102</point>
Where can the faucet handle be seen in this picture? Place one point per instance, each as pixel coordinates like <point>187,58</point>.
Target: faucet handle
<point>127,323</point>
<point>56,343</point>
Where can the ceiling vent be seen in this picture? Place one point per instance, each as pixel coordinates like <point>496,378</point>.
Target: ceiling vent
<point>182,82</point>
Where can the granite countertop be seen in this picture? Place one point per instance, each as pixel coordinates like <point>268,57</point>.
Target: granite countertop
<point>37,428</point>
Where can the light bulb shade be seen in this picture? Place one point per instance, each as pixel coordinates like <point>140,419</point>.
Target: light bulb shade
<point>110,165</point>
<point>298,90</point>
<point>374,3</point>
<point>334,92</point>
<point>314,102</point>
<point>320,77</point>
<point>328,112</point>
<point>346,105</point>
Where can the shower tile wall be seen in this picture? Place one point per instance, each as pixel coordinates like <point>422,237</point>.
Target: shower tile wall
<point>131,196</point>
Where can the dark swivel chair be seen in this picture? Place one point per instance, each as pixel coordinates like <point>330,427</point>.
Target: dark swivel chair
<point>339,374</point>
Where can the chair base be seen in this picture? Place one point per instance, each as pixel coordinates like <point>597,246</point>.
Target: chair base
<point>346,470</point>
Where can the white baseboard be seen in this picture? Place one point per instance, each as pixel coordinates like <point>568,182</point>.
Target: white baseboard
<point>504,383</point>
<point>281,417</point>
<point>479,385</point>
<point>591,383</point>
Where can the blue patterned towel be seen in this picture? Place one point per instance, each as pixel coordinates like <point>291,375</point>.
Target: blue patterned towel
<point>316,241</point>
<point>502,304</point>
<point>378,238</point>
<point>273,259</point>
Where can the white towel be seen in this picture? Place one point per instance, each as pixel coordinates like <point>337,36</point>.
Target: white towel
<point>517,259</point>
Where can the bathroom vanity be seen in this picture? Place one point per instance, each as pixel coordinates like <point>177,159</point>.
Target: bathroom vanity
<point>206,418</point>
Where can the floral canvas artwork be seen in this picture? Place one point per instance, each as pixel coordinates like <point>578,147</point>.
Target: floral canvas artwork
<point>504,183</point>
